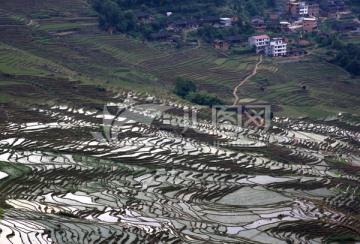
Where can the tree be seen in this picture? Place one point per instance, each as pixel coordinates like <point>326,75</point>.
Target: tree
<point>204,98</point>
<point>348,57</point>
<point>183,87</point>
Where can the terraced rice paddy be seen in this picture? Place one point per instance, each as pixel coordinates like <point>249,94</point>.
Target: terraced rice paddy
<point>149,182</point>
<point>138,171</point>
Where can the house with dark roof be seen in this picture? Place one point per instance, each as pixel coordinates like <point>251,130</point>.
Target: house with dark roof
<point>273,26</point>
<point>161,36</point>
<point>309,24</point>
<point>142,16</point>
<point>314,10</point>
<point>274,16</point>
<point>235,39</point>
<point>259,27</point>
<point>221,45</point>
<point>257,19</point>
<point>210,20</point>
<point>284,26</point>
<point>178,25</point>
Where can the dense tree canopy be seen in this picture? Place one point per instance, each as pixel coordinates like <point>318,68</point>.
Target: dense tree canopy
<point>119,14</point>
<point>254,5</point>
<point>348,57</point>
<point>204,98</point>
<point>187,90</point>
<point>183,87</point>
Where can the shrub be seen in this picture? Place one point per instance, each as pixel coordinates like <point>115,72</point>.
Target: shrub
<point>187,90</point>
<point>204,98</point>
<point>67,214</point>
<point>183,87</point>
<point>342,239</point>
<point>100,89</point>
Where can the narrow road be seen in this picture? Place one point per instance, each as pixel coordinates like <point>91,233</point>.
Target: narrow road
<point>236,97</point>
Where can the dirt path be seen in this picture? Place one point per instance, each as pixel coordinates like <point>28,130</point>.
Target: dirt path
<point>236,97</point>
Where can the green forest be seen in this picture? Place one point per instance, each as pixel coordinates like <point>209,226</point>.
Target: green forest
<point>121,14</point>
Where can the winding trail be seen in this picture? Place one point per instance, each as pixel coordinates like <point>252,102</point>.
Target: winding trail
<point>236,97</point>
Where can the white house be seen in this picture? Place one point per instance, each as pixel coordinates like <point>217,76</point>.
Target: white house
<point>276,47</point>
<point>303,8</point>
<point>260,42</point>
<point>297,8</point>
<point>225,21</point>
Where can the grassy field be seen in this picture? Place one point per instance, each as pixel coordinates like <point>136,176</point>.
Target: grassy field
<point>64,41</point>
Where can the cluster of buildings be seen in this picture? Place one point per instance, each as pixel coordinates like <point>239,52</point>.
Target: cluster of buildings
<point>271,47</point>
<point>330,8</point>
<point>224,45</point>
<point>297,15</point>
<point>177,26</point>
<point>300,15</point>
<point>325,8</point>
<point>297,8</point>
<point>306,24</point>
<point>191,23</point>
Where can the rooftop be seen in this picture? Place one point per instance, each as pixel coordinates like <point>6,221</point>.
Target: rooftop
<point>160,35</point>
<point>141,14</point>
<point>235,38</point>
<point>260,37</point>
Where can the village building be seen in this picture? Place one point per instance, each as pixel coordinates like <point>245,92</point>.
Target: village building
<point>304,43</point>
<point>178,25</point>
<point>257,19</point>
<point>273,26</point>
<point>259,42</point>
<point>142,17</point>
<point>309,24</point>
<point>162,36</point>
<point>293,51</point>
<point>235,39</point>
<point>314,10</point>
<point>226,21</point>
<point>285,26</point>
<point>210,20</point>
<point>274,16</point>
<point>221,45</point>
<point>276,47</point>
<point>297,8</point>
<point>259,27</point>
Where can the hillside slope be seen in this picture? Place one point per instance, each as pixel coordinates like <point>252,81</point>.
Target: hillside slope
<point>61,39</point>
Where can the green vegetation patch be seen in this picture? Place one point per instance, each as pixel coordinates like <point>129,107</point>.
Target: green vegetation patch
<point>14,170</point>
<point>336,160</point>
<point>4,98</point>
<point>63,26</point>
<point>343,239</point>
<point>67,214</point>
